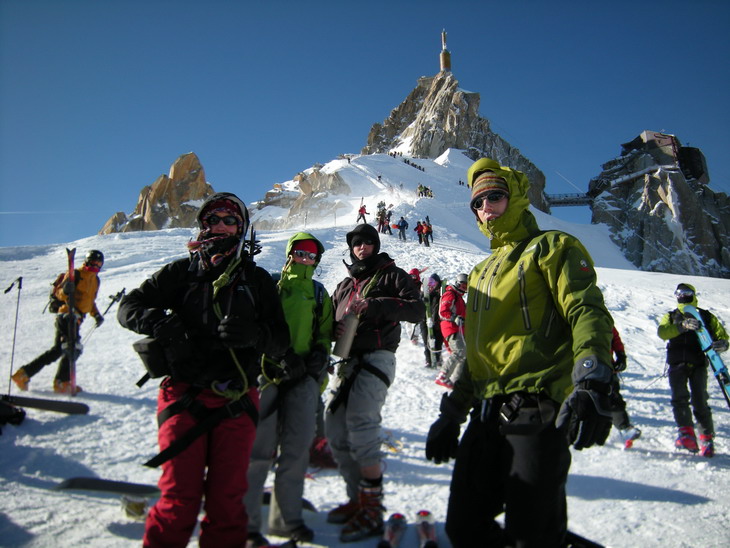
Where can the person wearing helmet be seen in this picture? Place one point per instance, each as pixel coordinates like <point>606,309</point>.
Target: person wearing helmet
<point>211,316</point>
<point>688,364</point>
<point>538,348</point>
<point>289,409</point>
<point>85,288</point>
<point>452,311</point>
<point>381,296</point>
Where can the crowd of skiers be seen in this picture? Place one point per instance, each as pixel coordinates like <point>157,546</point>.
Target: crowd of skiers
<point>244,359</point>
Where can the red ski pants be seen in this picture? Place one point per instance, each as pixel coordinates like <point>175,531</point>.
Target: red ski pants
<point>212,468</point>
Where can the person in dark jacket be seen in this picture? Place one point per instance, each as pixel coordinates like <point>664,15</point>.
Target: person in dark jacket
<point>687,364</point>
<point>381,295</point>
<point>213,315</point>
<point>432,298</point>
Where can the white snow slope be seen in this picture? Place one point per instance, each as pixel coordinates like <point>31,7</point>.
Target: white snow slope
<point>650,495</point>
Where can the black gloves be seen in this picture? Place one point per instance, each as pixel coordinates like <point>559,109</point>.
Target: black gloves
<point>316,363</point>
<point>291,367</point>
<point>99,319</point>
<point>236,332</point>
<point>620,363</point>
<point>169,329</point>
<point>443,436</point>
<point>586,414</point>
<point>686,323</point>
<point>720,346</point>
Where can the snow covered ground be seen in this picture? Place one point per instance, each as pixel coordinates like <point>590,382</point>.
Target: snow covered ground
<point>650,495</point>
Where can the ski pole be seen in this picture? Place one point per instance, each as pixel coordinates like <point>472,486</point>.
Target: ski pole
<point>15,328</point>
<point>114,298</point>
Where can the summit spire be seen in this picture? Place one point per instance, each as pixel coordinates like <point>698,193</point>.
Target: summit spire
<point>445,57</point>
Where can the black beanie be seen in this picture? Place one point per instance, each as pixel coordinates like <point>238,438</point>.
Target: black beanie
<point>367,232</point>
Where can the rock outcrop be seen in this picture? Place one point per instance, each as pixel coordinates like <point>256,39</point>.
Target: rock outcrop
<point>438,115</point>
<point>172,201</point>
<point>655,200</point>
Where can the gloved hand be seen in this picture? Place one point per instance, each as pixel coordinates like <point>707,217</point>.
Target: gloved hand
<point>169,329</point>
<point>586,414</point>
<point>359,307</point>
<point>685,323</point>
<point>720,346</point>
<point>99,319</point>
<point>236,332</point>
<point>316,362</point>
<point>443,436</point>
<point>459,320</point>
<point>68,287</point>
<point>293,366</point>
<point>620,364</point>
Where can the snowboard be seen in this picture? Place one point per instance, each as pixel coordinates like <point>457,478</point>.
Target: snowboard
<point>68,407</point>
<point>393,532</point>
<point>718,366</point>
<point>85,483</point>
<point>426,528</point>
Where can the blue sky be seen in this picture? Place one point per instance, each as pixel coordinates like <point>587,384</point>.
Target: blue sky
<point>98,98</point>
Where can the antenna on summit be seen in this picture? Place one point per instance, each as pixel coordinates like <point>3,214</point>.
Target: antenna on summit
<point>445,57</point>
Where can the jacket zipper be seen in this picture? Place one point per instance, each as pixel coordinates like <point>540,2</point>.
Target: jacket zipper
<point>550,323</point>
<point>523,297</point>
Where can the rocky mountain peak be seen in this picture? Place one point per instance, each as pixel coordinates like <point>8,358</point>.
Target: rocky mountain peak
<point>172,201</point>
<point>438,115</point>
<point>656,201</point>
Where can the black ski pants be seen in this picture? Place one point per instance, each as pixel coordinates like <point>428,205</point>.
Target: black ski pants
<point>680,376</point>
<point>520,475</point>
<point>63,374</point>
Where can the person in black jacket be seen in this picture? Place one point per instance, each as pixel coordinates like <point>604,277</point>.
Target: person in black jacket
<point>381,295</point>
<point>212,316</point>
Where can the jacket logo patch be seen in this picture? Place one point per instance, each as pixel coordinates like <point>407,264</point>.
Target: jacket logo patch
<point>584,266</point>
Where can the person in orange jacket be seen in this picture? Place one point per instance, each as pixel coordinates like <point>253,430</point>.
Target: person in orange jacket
<point>84,288</point>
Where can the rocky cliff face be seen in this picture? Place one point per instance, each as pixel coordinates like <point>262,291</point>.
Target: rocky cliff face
<point>438,115</point>
<point>172,201</point>
<point>663,218</point>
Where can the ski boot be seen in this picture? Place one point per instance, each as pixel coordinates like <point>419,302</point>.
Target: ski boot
<point>343,512</point>
<point>628,435</point>
<point>441,380</point>
<point>707,446</point>
<point>64,387</point>
<point>687,439</point>
<point>256,540</point>
<point>368,520</point>
<point>21,378</point>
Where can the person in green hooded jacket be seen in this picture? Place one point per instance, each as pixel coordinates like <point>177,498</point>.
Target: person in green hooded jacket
<point>687,363</point>
<point>537,376</point>
<point>289,408</point>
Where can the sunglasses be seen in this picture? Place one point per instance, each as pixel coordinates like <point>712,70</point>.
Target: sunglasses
<point>359,241</point>
<point>305,254</point>
<point>228,220</point>
<point>492,198</point>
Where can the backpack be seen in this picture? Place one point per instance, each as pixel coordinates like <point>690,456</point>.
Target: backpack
<point>54,303</point>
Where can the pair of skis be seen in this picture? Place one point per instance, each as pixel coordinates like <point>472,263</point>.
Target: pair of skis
<point>718,366</point>
<point>397,525</point>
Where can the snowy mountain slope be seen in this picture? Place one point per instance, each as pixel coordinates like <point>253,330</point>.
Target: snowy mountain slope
<point>650,495</point>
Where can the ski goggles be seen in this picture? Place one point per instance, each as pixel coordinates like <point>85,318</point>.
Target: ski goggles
<point>228,220</point>
<point>684,295</point>
<point>356,242</point>
<point>305,254</point>
<point>491,197</point>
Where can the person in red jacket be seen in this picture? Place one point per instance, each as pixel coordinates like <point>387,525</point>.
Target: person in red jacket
<point>619,416</point>
<point>452,311</point>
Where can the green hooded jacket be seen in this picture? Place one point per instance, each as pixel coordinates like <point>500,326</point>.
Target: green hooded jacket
<point>533,306</point>
<point>298,299</point>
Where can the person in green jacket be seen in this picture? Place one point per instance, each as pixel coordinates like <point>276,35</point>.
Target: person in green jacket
<point>538,347</point>
<point>289,409</point>
<point>687,365</point>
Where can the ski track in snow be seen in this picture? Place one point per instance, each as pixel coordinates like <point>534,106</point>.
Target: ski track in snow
<point>650,495</point>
